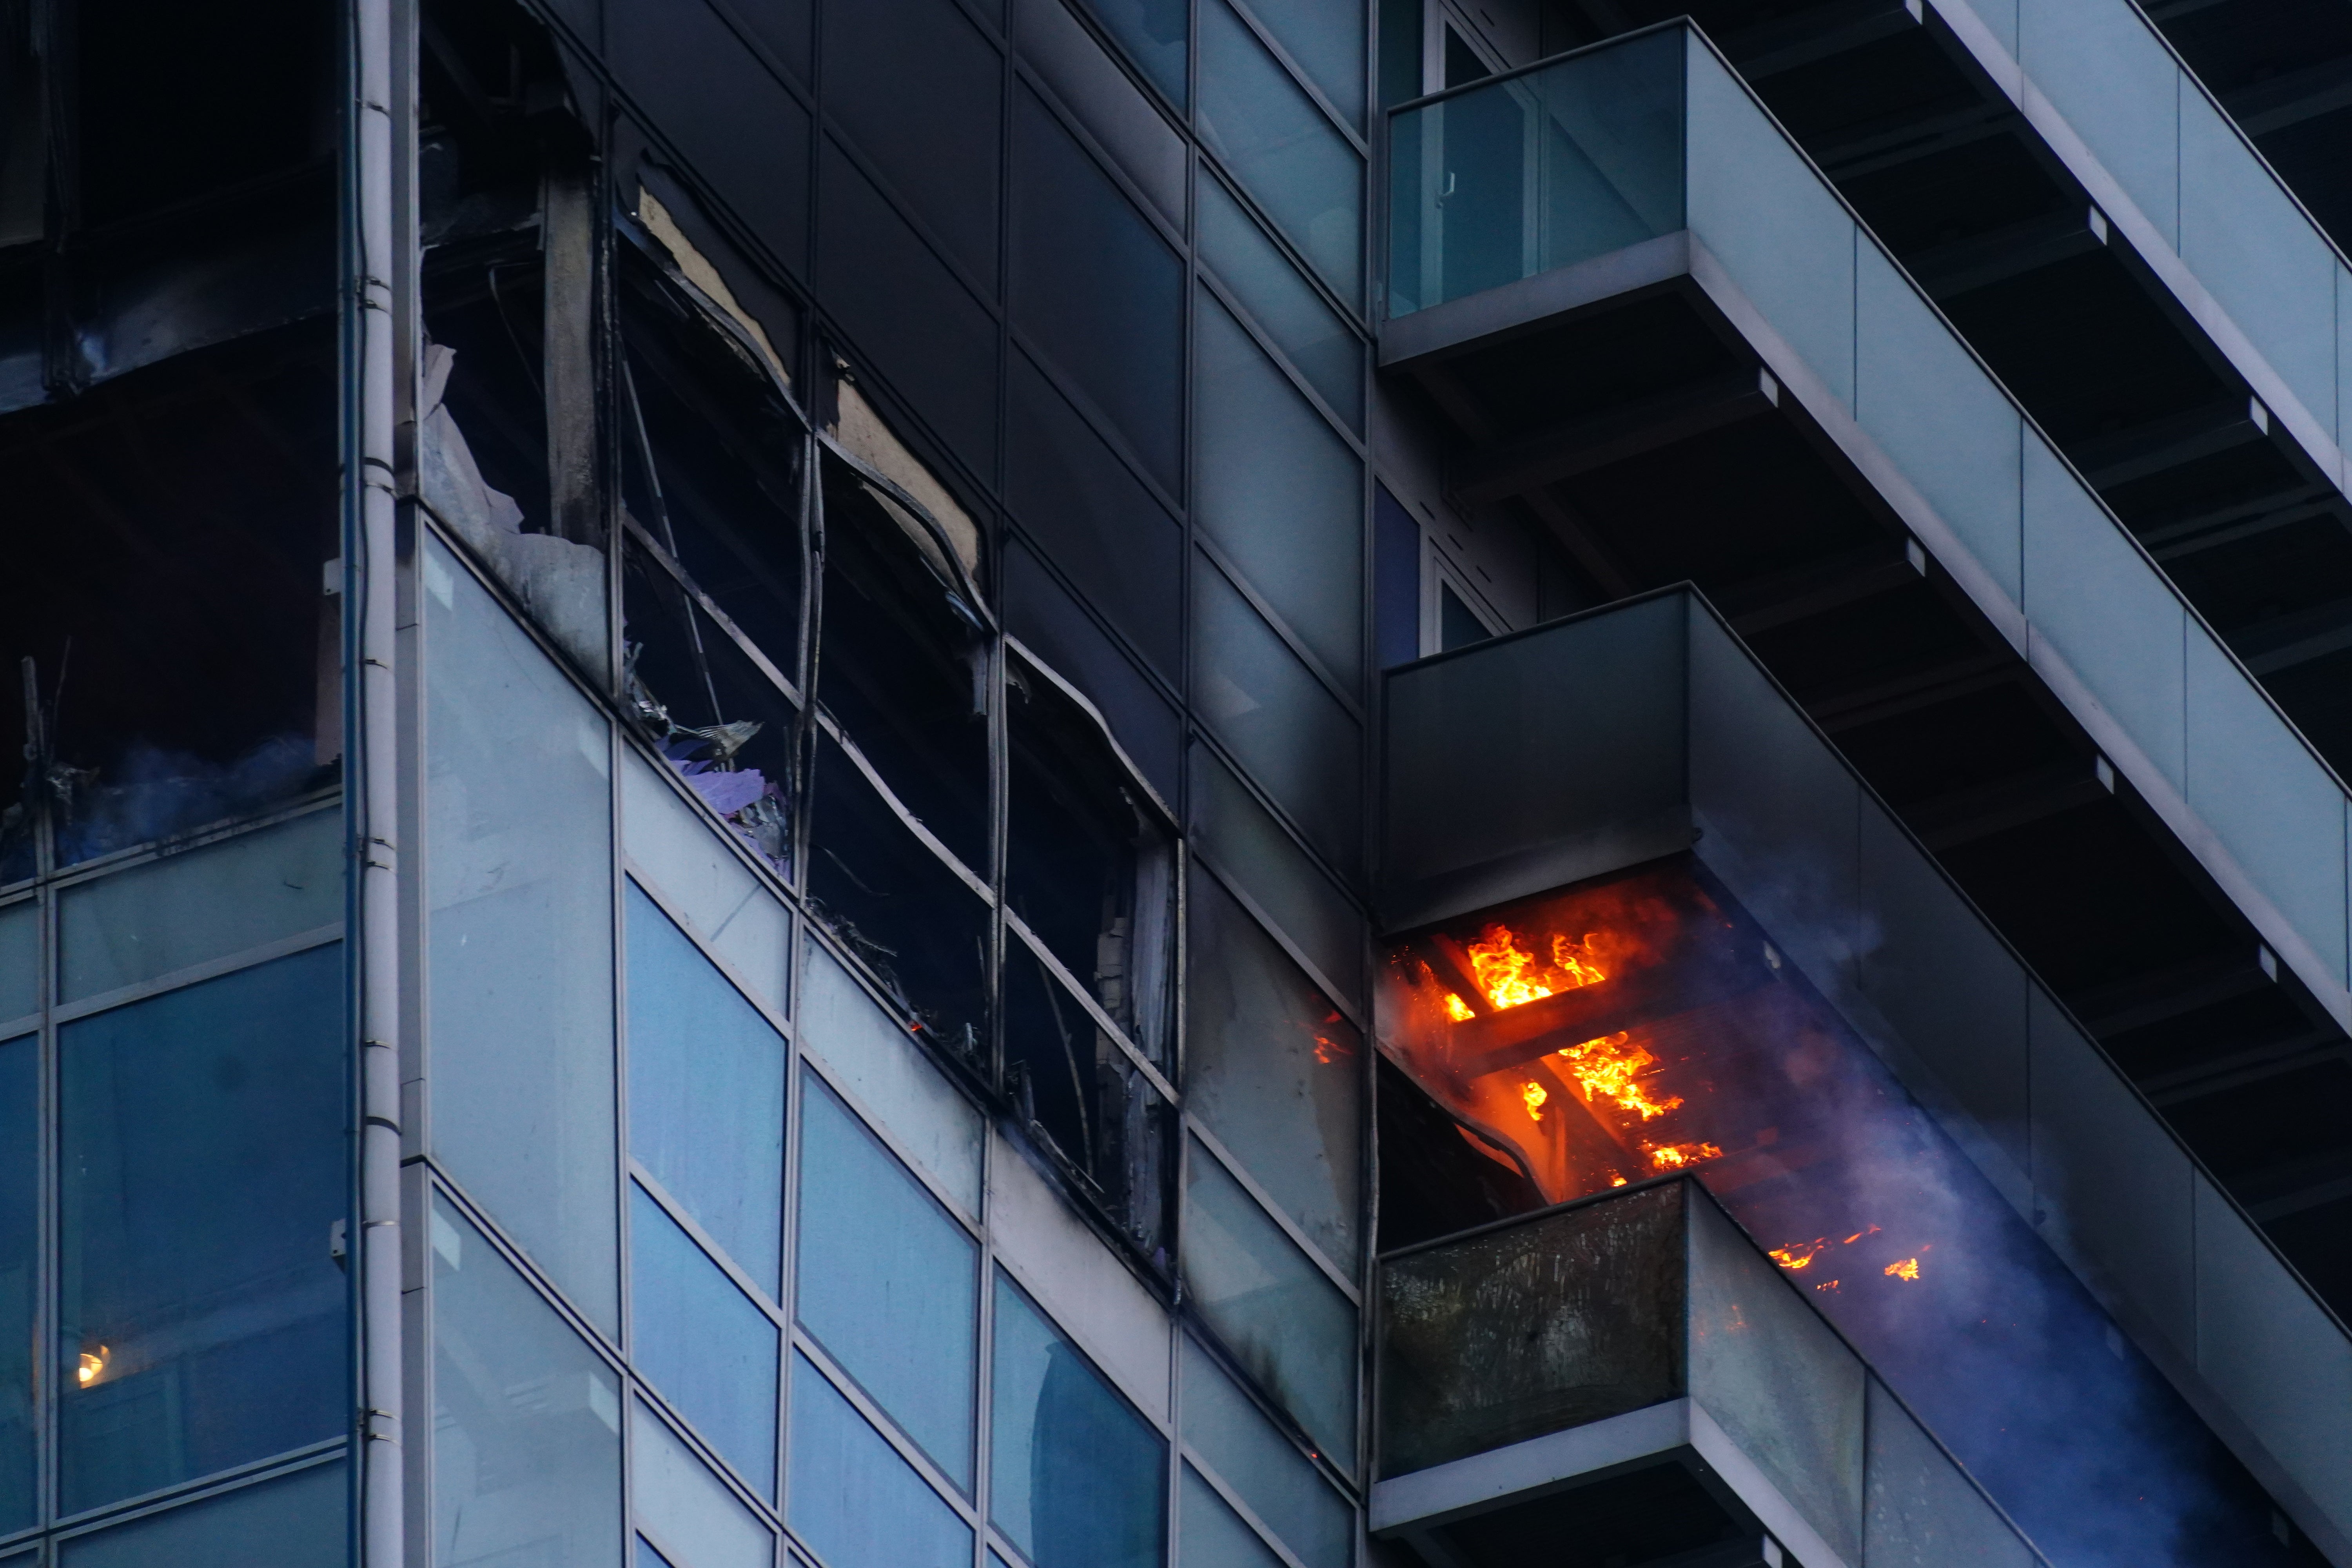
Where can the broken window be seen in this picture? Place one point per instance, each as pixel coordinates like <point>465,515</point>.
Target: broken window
<point>1089,862</point>
<point>711,455</point>
<point>168,611</point>
<point>1072,1079</point>
<point>920,928</point>
<point>506,447</point>
<point>903,665</point>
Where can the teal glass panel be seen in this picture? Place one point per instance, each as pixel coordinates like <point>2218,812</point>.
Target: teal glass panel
<point>1283,303</point>
<point>1285,151</point>
<point>1293,1331</point>
<point>1327,43</point>
<point>526,1419</point>
<point>202,1166</point>
<point>853,1497</point>
<point>1078,1480</point>
<point>20,958</point>
<point>888,1283</point>
<point>1214,1535</point>
<point>297,1521</point>
<point>1541,169</point>
<point>706,1092</point>
<point>1280,1485</point>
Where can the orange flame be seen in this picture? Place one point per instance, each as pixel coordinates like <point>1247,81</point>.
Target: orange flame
<point>1679,1156</point>
<point>1535,1094</point>
<point>1908,1268</point>
<point>1457,1009</point>
<point>1606,1068</point>
<point>1798,1254</point>
<point>1511,976</point>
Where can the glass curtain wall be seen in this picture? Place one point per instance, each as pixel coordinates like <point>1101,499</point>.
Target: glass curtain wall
<point>174,1197</point>
<point>825,824</point>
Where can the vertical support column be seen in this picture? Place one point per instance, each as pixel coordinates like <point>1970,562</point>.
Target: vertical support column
<point>568,238</point>
<point>370,579</point>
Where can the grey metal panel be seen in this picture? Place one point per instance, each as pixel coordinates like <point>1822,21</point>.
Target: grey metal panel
<point>1950,987</point>
<point>2106,71</point>
<point>1775,807</point>
<point>1921,1510</point>
<point>2283,1363</point>
<point>1776,1378</point>
<point>2111,1188</point>
<point>1533,761</point>
<point>1531,304</point>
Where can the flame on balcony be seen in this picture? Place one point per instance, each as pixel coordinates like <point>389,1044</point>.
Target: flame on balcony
<point>1609,1068</point>
<point>1903,1269</point>
<point>1511,976</point>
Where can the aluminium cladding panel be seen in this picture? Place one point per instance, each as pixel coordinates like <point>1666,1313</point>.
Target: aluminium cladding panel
<point>1533,761</point>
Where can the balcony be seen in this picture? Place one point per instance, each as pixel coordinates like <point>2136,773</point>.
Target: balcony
<point>1631,1374</point>
<point>1844,1042</point>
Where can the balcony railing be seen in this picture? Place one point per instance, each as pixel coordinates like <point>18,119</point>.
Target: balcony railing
<point>1542,1375</point>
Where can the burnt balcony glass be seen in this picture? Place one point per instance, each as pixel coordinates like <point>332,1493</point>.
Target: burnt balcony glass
<point>1631,1374</point>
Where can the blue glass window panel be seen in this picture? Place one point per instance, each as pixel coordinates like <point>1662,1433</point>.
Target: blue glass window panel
<point>1280,1485</point>
<point>1214,1535</point>
<point>20,958</point>
<point>20,1087</point>
<point>1283,148</point>
<point>297,1521</point>
<point>526,1418</point>
<point>853,1497</point>
<point>1327,43</point>
<point>1284,304</point>
<point>646,1557</point>
<point>888,1283</point>
<point>1077,1479</point>
<point>702,1343</point>
<point>1292,1330</point>
<point>1280,493</point>
<point>1249,849</point>
<point>706,1092</point>
<point>202,1168</point>
<point>1152,32</point>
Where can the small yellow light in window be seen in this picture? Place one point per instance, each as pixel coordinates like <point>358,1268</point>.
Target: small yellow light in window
<point>93,1367</point>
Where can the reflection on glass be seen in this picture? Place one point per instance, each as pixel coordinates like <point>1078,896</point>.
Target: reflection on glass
<point>201,1170</point>
<point>853,1497</point>
<point>1078,1478</point>
<point>1278,1482</point>
<point>702,1343</point>
<point>1153,32</point>
<point>1290,1326</point>
<point>1284,304</point>
<point>1089,867</point>
<point>903,666</point>
<point>706,1092</point>
<point>1214,1535</point>
<point>888,1283</point>
<point>19,1236</point>
<point>1285,151</point>
<point>526,1418</point>
<point>1535,171</point>
<point>917,925</point>
<point>1274,1071</point>
<point>518,927</point>
<point>297,1521</point>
